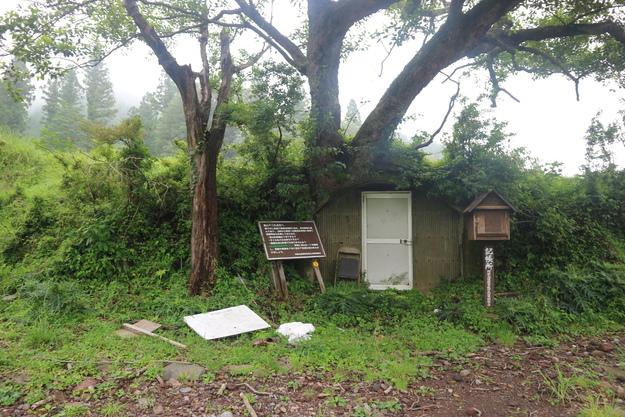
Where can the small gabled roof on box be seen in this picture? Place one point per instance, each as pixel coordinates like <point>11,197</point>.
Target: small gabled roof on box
<point>492,195</point>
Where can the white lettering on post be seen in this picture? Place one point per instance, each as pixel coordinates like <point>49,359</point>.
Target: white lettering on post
<point>489,270</point>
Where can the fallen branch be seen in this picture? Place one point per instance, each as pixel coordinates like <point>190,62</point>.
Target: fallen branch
<point>106,362</point>
<point>429,353</point>
<point>42,402</point>
<point>221,389</point>
<point>248,405</point>
<point>424,407</point>
<point>251,388</point>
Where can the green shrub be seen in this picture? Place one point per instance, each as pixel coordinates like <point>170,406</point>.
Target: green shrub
<point>578,291</point>
<point>8,395</point>
<point>348,303</point>
<point>468,313</point>
<point>41,334</point>
<point>535,315</point>
<point>45,298</point>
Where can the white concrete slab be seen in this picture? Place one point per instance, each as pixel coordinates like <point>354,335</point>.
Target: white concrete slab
<point>227,322</point>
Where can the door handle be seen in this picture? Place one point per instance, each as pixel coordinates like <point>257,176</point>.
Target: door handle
<point>405,242</point>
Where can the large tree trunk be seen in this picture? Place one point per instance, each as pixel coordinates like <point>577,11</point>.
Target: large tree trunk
<point>360,164</point>
<point>204,140</point>
<point>204,216</point>
<point>329,22</point>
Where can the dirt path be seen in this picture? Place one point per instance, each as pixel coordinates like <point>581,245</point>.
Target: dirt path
<point>519,380</point>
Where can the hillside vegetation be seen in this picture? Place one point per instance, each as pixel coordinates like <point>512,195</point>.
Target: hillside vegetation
<point>91,239</point>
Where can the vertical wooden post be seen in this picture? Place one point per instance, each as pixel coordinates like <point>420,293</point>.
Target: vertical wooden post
<point>489,274</point>
<point>322,286</point>
<point>285,290</point>
<point>275,283</point>
<point>279,279</point>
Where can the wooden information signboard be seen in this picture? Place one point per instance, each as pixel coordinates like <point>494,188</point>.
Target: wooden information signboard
<point>291,240</point>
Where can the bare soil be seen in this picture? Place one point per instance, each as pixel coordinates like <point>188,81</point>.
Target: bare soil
<point>497,380</point>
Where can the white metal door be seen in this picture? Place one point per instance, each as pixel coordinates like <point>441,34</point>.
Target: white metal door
<point>387,239</point>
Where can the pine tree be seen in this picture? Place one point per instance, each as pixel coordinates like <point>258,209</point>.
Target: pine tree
<point>14,102</point>
<point>52,101</point>
<point>352,121</point>
<point>162,116</point>
<point>63,108</point>
<point>170,126</point>
<point>99,94</point>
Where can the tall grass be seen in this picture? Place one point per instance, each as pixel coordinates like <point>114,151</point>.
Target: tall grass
<point>25,165</point>
<point>26,171</point>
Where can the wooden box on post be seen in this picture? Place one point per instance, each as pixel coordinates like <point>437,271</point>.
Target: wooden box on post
<point>489,217</point>
<point>488,221</point>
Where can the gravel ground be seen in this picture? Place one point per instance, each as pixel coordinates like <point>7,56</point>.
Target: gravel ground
<point>496,380</point>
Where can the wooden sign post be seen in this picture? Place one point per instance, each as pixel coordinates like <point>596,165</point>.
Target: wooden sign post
<point>291,240</point>
<point>489,274</point>
<point>488,220</point>
<point>279,279</point>
<point>322,286</point>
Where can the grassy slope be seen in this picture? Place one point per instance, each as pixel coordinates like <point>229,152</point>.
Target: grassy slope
<point>26,171</point>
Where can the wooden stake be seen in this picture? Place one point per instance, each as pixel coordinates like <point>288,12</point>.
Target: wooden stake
<point>147,333</point>
<point>279,279</point>
<point>315,265</point>
<point>285,290</point>
<point>275,279</point>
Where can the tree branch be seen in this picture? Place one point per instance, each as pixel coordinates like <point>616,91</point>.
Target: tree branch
<point>495,82</point>
<point>227,72</point>
<point>454,40</point>
<point>204,76</point>
<point>253,59</point>
<point>270,34</point>
<point>452,102</point>
<point>514,39</point>
<point>555,62</point>
<point>549,32</point>
<point>149,35</point>
<point>455,9</point>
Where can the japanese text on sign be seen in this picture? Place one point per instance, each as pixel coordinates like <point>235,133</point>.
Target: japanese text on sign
<point>291,240</point>
<point>489,269</point>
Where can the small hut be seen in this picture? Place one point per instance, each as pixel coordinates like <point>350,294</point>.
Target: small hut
<point>404,239</point>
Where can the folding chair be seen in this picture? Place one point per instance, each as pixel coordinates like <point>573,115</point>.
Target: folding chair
<point>347,263</point>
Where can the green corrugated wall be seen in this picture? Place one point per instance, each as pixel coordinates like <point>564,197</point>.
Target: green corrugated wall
<point>437,236</point>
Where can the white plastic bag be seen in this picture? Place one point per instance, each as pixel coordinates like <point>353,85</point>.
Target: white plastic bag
<point>296,331</point>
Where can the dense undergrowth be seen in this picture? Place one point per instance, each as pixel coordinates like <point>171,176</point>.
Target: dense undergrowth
<point>91,240</point>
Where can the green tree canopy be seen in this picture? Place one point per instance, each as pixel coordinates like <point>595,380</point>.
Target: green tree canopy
<point>163,117</point>
<point>63,108</point>
<point>14,102</point>
<point>99,94</point>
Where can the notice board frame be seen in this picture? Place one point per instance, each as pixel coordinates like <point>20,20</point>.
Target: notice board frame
<point>291,240</point>
<point>283,240</point>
